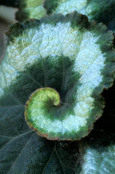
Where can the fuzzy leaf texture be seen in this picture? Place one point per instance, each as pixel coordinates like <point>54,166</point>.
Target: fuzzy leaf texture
<point>95,9</point>
<point>59,59</point>
<point>31,9</point>
<point>62,49</point>
<point>102,11</point>
<point>99,154</point>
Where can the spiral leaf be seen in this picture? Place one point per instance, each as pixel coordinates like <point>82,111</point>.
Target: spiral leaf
<point>39,106</point>
<point>69,55</point>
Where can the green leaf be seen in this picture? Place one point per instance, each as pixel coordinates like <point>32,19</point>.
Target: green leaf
<point>102,11</point>
<point>23,70</point>
<point>23,151</point>
<point>99,147</point>
<point>31,9</point>
<point>99,154</point>
<point>65,53</point>
<point>27,153</point>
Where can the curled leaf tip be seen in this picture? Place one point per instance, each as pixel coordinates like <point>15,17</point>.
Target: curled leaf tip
<point>66,53</point>
<point>42,101</point>
<point>44,97</point>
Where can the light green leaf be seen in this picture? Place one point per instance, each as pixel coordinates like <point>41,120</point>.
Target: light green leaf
<point>31,9</point>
